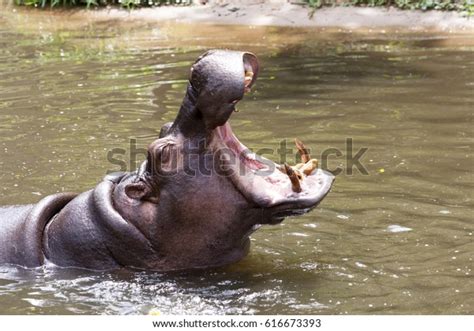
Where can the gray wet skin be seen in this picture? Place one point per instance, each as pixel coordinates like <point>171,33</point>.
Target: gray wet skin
<point>192,204</point>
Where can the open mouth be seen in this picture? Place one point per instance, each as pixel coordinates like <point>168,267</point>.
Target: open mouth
<point>293,189</point>
<point>289,190</point>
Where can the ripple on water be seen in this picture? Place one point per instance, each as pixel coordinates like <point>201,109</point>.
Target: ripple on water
<point>394,228</point>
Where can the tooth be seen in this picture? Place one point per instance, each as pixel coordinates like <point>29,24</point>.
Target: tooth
<point>298,173</point>
<point>302,150</point>
<point>295,182</point>
<point>248,78</point>
<point>281,167</point>
<point>298,166</point>
<point>308,168</point>
<point>295,169</point>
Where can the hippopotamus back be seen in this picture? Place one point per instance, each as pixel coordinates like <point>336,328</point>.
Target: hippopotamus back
<point>22,229</point>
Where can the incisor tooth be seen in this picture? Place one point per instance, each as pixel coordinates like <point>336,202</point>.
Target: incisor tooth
<point>308,168</point>
<point>298,173</point>
<point>305,157</point>
<point>295,182</point>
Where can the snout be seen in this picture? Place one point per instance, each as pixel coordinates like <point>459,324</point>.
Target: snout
<point>224,72</point>
<point>220,79</point>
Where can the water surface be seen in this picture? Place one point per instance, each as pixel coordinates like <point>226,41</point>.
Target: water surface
<point>398,240</point>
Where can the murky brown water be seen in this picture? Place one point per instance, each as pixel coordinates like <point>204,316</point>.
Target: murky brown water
<point>398,241</point>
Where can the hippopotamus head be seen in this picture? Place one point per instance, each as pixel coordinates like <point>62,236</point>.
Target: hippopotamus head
<point>201,192</point>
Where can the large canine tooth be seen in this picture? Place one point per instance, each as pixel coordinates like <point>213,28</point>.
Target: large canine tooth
<point>308,168</point>
<point>295,182</point>
<point>295,169</point>
<point>248,80</point>
<point>305,157</point>
<point>298,166</point>
<point>298,173</point>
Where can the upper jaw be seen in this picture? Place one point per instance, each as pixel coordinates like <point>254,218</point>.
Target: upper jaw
<point>220,79</point>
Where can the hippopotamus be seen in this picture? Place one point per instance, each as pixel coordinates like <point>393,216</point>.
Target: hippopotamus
<point>193,203</point>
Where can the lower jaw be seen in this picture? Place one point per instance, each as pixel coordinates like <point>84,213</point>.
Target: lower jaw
<point>238,253</point>
<point>234,256</point>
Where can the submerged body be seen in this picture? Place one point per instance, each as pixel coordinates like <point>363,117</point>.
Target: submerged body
<point>192,204</point>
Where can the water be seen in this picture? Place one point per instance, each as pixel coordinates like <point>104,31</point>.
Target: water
<point>398,240</point>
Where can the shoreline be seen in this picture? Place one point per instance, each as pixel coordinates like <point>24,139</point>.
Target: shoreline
<point>290,15</point>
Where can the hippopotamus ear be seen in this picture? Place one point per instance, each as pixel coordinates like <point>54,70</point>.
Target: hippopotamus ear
<point>161,162</point>
<point>140,191</point>
<point>136,190</point>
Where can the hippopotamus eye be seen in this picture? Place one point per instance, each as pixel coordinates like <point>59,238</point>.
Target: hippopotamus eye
<point>162,156</point>
<point>165,153</point>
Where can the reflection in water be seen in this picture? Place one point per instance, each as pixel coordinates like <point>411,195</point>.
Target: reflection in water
<point>399,240</point>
